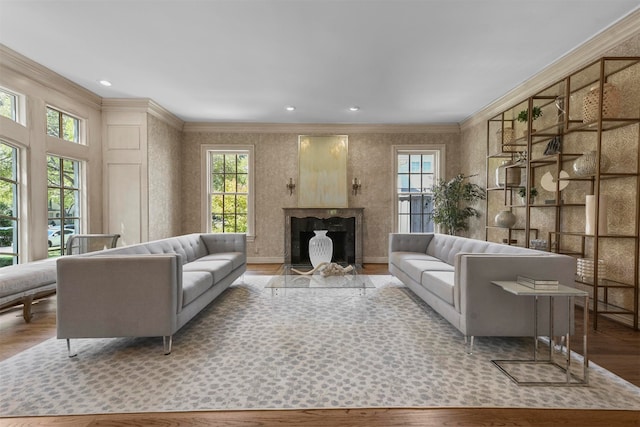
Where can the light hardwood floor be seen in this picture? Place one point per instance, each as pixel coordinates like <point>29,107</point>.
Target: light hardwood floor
<point>613,346</point>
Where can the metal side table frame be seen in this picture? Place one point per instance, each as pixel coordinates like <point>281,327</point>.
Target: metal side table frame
<point>562,291</point>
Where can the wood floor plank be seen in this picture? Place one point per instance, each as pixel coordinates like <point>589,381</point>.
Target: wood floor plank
<point>613,346</point>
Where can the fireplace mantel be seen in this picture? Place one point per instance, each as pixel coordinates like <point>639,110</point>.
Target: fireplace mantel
<point>324,213</point>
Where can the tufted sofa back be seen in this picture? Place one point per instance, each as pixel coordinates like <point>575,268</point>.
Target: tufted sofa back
<point>445,247</point>
<point>190,247</point>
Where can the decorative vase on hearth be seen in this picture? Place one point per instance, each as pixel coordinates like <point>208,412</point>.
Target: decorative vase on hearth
<point>320,248</point>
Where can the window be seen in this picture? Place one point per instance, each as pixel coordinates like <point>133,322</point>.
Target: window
<point>63,201</point>
<point>9,105</point>
<point>229,185</point>
<point>416,172</point>
<point>8,205</point>
<point>62,125</point>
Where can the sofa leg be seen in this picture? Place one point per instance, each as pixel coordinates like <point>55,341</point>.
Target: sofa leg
<point>26,308</point>
<point>71,354</point>
<point>166,342</point>
<point>468,340</point>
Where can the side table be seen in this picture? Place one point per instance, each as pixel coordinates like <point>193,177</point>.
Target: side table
<point>570,379</point>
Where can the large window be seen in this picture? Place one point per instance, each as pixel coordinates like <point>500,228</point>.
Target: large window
<point>62,125</point>
<point>229,191</point>
<point>9,105</point>
<point>416,172</point>
<point>63,202</point>
<point>8,205</point>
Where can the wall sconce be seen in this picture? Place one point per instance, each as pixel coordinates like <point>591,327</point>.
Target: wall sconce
<point>291,186</point>
<point>355,185</point>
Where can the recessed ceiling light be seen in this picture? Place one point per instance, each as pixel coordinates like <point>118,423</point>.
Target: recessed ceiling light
<point>106,83</point>
<point>289,108</point>
<point>354,108</point>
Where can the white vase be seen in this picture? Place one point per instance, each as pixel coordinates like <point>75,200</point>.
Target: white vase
<point>320,248</point>
<point>590,220</point>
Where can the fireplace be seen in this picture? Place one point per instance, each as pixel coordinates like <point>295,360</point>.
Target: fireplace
<point>344,227</point>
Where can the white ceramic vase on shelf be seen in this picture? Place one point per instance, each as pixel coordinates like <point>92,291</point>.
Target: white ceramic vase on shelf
<point>320,248</point>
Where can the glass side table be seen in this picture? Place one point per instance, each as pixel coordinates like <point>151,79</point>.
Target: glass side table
<point>568,378</point>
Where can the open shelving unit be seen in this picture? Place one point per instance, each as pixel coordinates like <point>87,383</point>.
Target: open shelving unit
<point>549,149</point>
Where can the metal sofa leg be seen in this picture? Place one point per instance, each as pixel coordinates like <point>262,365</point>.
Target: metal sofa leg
<point>166,343</point>
<point>71,354</point>
<point>469,340</point>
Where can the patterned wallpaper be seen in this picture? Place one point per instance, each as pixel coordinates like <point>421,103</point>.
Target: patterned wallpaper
<point>276,160</point>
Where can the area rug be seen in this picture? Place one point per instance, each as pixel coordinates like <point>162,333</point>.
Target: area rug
<point>305,348</point>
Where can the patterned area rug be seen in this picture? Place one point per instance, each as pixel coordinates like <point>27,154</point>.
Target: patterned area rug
<point>304,348</point>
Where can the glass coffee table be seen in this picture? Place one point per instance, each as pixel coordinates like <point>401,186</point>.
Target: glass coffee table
<point>289,279</point>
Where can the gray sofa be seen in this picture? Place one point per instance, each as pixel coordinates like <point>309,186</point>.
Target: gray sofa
<point>145,290</point>
<point>453,275</point>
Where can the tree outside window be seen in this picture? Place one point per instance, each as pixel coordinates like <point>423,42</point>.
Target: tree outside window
<point>229,191</point>
<point>62,125</point>
<point>8,205</point>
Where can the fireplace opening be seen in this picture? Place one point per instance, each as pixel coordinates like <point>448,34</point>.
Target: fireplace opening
<point>341,231</point>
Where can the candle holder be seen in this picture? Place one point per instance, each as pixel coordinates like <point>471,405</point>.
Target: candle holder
<point>355,186</point>
<point>291,186</point>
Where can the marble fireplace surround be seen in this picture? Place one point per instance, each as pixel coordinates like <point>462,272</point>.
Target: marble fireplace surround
<point>324,215</point>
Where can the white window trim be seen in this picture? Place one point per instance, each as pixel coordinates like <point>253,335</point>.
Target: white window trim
<point>402,149</point>
<point>204,185</point>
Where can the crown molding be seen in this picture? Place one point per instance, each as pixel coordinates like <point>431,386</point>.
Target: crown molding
<point>24,66</point>
<point>142,105</point>
<point>581,56</point>
<point>311,128</point>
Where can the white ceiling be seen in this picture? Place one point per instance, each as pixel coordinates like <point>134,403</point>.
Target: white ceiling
<point>400,61</point>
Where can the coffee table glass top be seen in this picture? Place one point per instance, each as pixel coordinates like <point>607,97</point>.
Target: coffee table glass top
<point>290,279</point>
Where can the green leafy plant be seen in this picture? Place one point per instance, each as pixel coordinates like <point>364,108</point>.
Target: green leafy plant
<point>523,116</point>
<point>522,192</point>
<point>450,203</point>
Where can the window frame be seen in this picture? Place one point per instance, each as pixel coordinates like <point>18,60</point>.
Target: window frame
<point>78,219</point>
<point>61,115</point>
<point>15,181</point>
<point>206,184</point>
<point>19,108</point>
<point>439,152</point>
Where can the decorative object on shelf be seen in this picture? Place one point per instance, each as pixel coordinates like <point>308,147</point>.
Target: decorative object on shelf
<point>586,268</point>
<point>610,104</point>
<point>548,182</point>
<point>291,186</point>
<point>505,219</point>
<point>585,165</point>
<point>320,248</point>
<point>554,146</point>
<point>507,176</point>
<point>590,210</point>
<point>505,137</point>
<point>355,186</point>
<point>523,117</point>
<point>450,203</point>
<point>522,192</point>
<point>538,244</point>
<point>521,156</point>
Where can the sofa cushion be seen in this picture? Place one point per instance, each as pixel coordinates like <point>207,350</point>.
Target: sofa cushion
<point>415,268</point>
<point>219,269</point>
<point>440,283</point>
<point>15,279</point>
<point>446,247</point>
<point>236,258</point>
<point>399,258</point>
<point>194,284</point>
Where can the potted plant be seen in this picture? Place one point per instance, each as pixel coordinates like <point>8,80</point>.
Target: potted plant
<point>450,203</point>
<point>523,117</point>
<point>522,192</point>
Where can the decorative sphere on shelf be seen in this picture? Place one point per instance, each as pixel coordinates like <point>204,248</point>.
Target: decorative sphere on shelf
<point>505,219</point>
<point>585,165</point>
